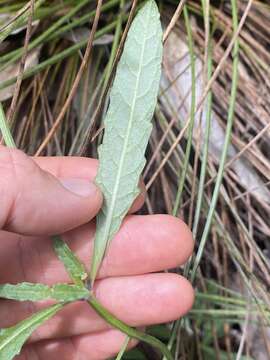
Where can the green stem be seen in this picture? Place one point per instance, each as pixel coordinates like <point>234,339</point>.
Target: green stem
<point>115,44</point>
<point>179,322</point>
<point>206,139</point>
<point>5,129</point>
<point>183,172</point>
<point>131,332</point>
<point>225,147</point>
<point>123,349</point>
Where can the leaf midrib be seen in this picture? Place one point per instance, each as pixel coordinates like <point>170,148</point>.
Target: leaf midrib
<point>115,190</point>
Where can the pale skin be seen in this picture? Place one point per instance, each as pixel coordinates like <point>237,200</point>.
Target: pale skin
<point>45,196</point>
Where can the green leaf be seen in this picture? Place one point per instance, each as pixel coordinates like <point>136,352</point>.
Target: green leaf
<point>73,265</point>
<point>65,292</point>
<point>128,125</point>
<point>13,338</point>
<point>25,291</point>
<point>37,292</point>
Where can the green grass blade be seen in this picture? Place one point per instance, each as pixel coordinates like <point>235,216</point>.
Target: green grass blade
<point>128,125</point>
<point>5,129</point>
<point>225,148</point>
<point>73,265</point>
<point>115,44</point>
<point>13,338</point>
<point>183,171</point>
<point>18,21</point>
<point>55,59</point>
<point>123,349</point>
<point>56,30</point>
<point>207,130</point>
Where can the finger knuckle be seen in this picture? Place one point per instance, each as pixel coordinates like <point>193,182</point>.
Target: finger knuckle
<point>12,162</point>
<point>14,167</point>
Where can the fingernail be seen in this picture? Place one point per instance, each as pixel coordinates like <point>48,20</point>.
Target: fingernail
<point>79,187</point>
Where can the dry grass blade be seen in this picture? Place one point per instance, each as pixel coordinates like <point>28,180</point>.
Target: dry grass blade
<point>22,63</point>
<point>174,19</point>
<point>76,81</point>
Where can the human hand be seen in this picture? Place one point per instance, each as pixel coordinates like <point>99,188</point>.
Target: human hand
<point>45,196</point>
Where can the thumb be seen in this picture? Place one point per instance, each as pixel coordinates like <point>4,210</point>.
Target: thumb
<point>34,202</point>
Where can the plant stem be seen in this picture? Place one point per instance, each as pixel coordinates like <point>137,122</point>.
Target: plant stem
<point>208,127</point>
<point>123,349</point>
<point>115,44</point>
<point>225,147</point>
<point>131,332</point>
<point>5,129</point>
<point>183,171</point>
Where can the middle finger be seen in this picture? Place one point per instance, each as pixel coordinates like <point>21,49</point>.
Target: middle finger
<point>143,244</point>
